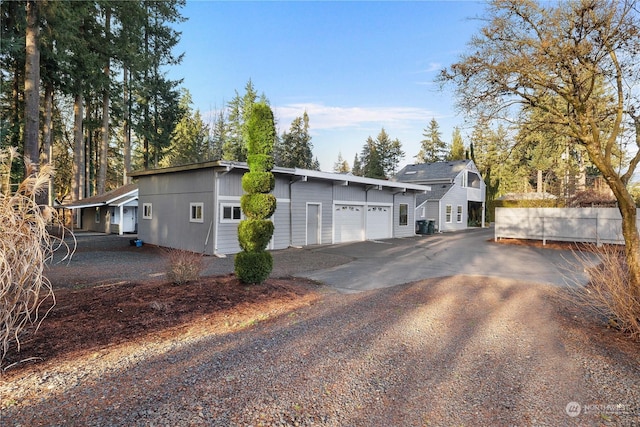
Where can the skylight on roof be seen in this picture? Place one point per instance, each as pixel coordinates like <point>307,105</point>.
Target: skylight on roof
<point>410,172</point>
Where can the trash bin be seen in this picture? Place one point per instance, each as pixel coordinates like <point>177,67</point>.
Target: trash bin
<point>421,226</point>
<point>431,226</point>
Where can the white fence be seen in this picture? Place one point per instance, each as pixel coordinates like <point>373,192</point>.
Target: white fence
<point>597,225</point>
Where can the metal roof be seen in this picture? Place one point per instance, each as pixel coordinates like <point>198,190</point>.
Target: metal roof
<point>303,174</point>
<point>117,197</point>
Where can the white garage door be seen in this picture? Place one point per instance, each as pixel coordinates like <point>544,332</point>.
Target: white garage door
<point>379,222</point>
<point>348,223</point>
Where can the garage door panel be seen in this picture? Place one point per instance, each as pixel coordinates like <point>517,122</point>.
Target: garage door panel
<point>379,222</point>
<point>348,223</point>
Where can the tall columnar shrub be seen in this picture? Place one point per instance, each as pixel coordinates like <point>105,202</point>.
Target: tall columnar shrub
<point>254,263</point>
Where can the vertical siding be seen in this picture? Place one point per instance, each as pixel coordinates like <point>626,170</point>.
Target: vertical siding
<point>456,196</point>
<point>409,229</point>
<point>316,192</point>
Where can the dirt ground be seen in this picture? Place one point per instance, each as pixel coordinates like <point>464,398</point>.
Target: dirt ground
<point>91,318</point>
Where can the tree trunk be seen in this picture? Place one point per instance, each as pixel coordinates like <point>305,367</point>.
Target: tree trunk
<point>104,146</point>
<point>31,87</point>
<point>126,130</point>
<point>47,144</point>
<point>77,183</point>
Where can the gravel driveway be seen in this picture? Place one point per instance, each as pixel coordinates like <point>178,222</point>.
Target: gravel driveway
<point>454,351</point>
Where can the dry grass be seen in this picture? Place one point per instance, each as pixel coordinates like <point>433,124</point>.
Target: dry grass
<point>26,295</point>
<point>609,291</point>
<point>183,266</point>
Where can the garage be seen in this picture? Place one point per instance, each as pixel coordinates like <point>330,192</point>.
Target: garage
<point>348,223</point>
<point>379,222</point>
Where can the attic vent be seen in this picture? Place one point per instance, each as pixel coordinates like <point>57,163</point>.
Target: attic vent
<point>410,172</point>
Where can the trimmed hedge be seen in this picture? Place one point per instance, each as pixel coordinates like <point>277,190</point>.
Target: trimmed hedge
<point>253,267</point>
<point>258,206</point>
<point>254,234</point>
<point>260,162</point>
<point>258,182</point>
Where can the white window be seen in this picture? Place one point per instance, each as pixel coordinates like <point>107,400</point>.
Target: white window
<point>423,212</point>
<point>448,213</point>
<point>195,212</point>
<point>97,216</point>
<point>459,214</point>
<point>146,211</point>
<point>231,212</point>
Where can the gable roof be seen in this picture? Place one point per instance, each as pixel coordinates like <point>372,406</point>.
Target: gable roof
<point>430,173</point>
<point>437,192</point>
<point>117,197</point>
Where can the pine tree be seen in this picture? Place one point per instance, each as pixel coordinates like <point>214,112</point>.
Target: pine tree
<point>341,165</point>
<point>457,146</point>
<point>433,148</point>
<point>357,166</point>
<point>294,150</point>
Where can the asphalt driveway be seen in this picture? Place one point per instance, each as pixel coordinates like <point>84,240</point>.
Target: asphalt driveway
<point>349,267</point>
<point>379,264</point>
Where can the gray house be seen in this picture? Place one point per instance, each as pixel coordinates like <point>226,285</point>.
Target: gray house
<point>115,211</point>
<point>457,197</point>
<point>197,207</point>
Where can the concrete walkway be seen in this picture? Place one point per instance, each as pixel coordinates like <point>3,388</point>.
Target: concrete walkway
<point>395,261</point>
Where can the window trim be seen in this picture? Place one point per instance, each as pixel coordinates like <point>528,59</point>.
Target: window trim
<point>448,214</point>
<point>459,214</point>
<point>404,223</point>
<point>147,211</point>
<point>193,212</point>
<point>231,220</point>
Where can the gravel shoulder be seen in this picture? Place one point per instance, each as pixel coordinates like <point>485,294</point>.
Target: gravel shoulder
<point>461,350</point>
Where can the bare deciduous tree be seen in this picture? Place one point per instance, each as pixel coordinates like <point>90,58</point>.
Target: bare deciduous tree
<point>577,62</point>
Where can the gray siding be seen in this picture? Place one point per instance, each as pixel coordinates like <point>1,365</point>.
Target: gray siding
<point>170,196</point>
<point>316,192</point>
<point>457,196</point>
<point>409,229</point>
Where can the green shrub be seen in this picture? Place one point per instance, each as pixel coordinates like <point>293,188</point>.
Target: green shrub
<point>258,206</point>
<point>258,182</point>
<point>260,162</point>
<point>253,267</point>
<point>254,234</point>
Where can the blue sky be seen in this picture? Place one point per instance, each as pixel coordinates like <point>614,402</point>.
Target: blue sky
<point>355,67</point>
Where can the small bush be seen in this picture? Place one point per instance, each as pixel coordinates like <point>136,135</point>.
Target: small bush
<point>253,267</point>
<point>609,291</point>
<point>254,234</point>
<point>183,266</point>
<point>258,206</point>
<point>258,182</point>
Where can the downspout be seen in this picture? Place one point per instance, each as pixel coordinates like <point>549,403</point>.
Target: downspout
<point>121,225</point>
<point>216,212</point>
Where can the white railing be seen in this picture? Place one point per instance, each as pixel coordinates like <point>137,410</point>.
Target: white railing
<point>596,225</point>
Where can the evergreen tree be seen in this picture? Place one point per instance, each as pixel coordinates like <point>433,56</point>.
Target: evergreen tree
<point>372,166</point>
<point>357,166</point>
<point>341,165</point>
<point>390,152</point>
<point>433,148</point>
<point>190,139</point>
<point>457,146</point>
<point>295,148</point>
